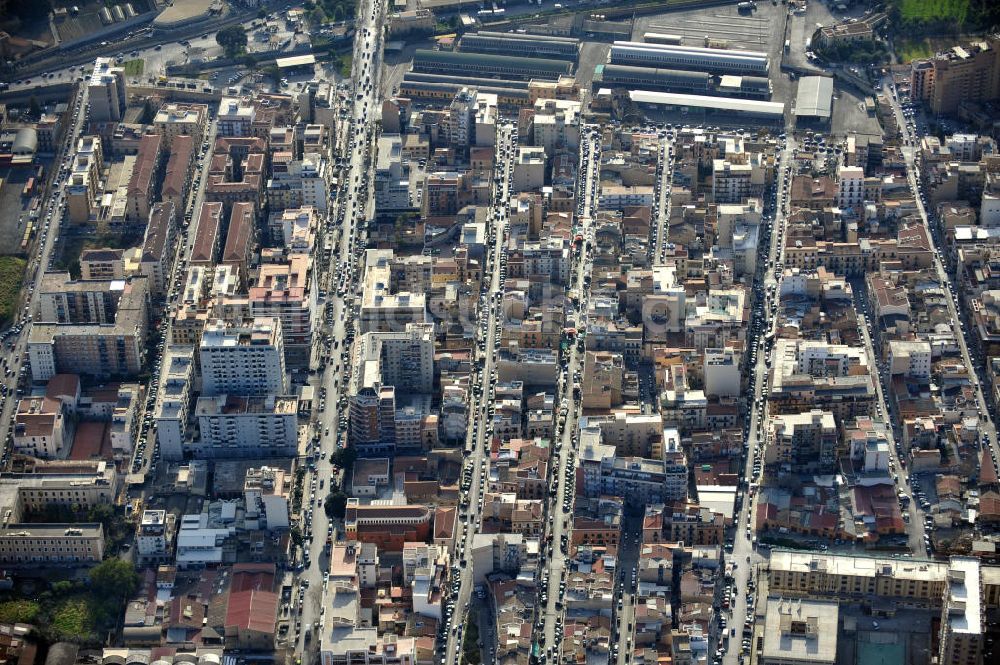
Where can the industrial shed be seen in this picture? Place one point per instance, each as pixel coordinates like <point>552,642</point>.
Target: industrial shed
<point>748,109</point>
<point>492,66</point>
<point>715,61</point>
<point>814,98</point>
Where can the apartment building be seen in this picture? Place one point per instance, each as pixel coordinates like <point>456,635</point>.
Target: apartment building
<point>83,185</point>
<point>287,291</point>
<point>178,172</point>
<point>810,374</point>
<point>245,358</point>
<point>159,247</point>
<point>99,350</point>
<point>265,493</point>
<point>968,73</point>
<point>106,91</point>
<point>300,182</point>
<point>173,403</point>
<point>247,426</point>
<point>802,442</point>
<point>174,119</point>
<point>528,174</point>
<point>962,614</point>
<point>39,427</point>
<point>381,309</point>
<point>154,539</point>
<point>393,189</point>
<point>235,117</point>
<point>851,188</point>
<point>722,372</point>
<point>141,192</point>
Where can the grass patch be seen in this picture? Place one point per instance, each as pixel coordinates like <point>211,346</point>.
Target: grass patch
<point>908,50</point>
<point>71,618</point>
<point>344,65</point>
<point>954,11</point>
<point>135,67</point>
<point>11,277</point>
<point>19,611</point>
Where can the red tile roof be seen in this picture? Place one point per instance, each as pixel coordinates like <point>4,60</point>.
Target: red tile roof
<point>252,610</point>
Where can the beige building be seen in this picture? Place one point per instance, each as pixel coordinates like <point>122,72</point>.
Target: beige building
<point>175,119</point>
<point>61,482</point>
<point>109,349</point>
<point>46,544</point>
<point>800,632</point>
<point>603,376</point>
<point>39,427</point>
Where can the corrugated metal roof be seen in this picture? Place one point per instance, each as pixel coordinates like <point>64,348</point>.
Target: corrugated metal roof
<point>704,101</point>
<point>655,74</point>
<point>485,59</point>
<point>814,97</point>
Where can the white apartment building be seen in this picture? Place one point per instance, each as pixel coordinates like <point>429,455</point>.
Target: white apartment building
<point>106,91</point>
<point>618,197</point>
<point>556,124</point>
<point>402,359</point>
<point>235,118</point>
<point>239,426</point>
<point>302,182</point>
<point>265,492</point>
<point>154,540</point>
<point>173,404</point>
<point>529,169</point>
<point>243,359</point>
<point>392,175</point>
<point>910,358</point>
<point>549,257</point>
<point>722,372</point>
<point>850,188</point>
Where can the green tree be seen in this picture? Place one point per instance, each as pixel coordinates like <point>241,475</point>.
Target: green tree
<point>34,108</point>
<point>261,13</point>
<point>29,10</point>
<point>344,457</point>
<point>335,505</point>
<point>233,40</point>
<point>114,579</point>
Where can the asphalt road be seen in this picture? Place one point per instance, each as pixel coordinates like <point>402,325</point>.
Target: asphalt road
<point>44,243</point>
<point>481,402</point>
<point>743,555</point>
<point>351,210</point>
<point>563,479</point>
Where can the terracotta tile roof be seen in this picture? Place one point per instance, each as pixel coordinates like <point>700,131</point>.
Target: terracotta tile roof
<point>178,165</point>
<point>252,610</point>
<point>241,225</point>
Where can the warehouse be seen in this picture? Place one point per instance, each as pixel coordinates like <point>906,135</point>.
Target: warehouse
<point>814,98</point>
<point>715,61</point>
<point>651,78</point>
<point>445,91</point>
<point>678,80</point>
<point>741,110</point>
<point>535,46</point>
<point>467,81</point>
<point>745,87</point>
<point>492,66</point>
